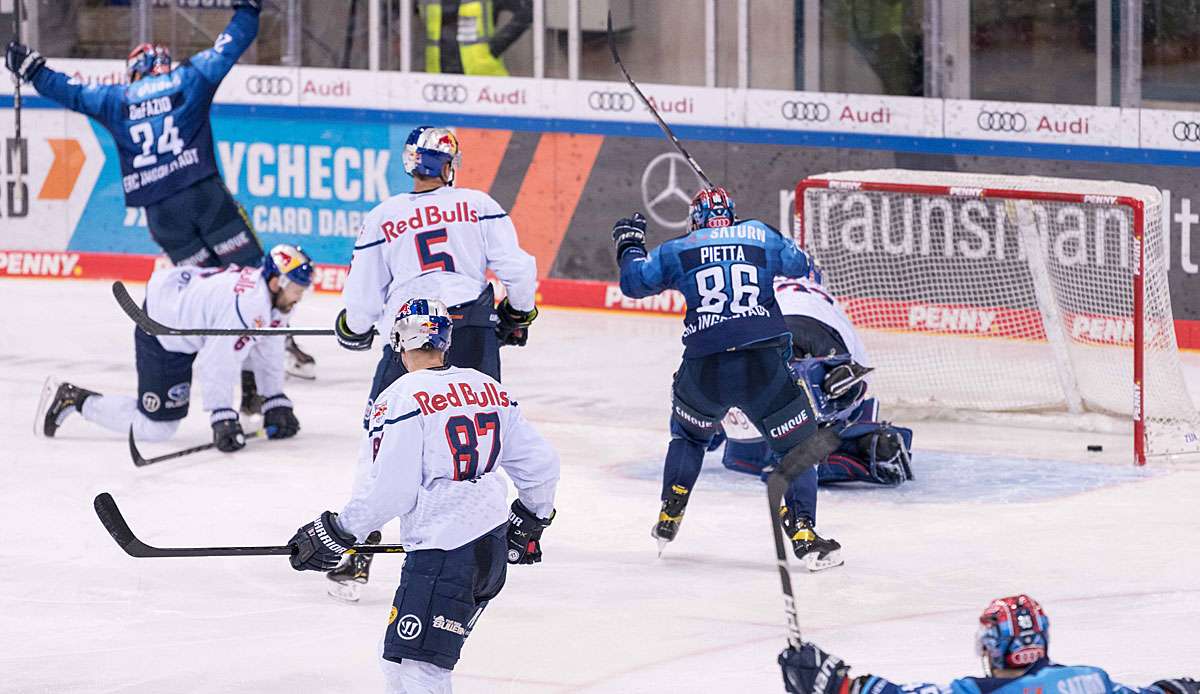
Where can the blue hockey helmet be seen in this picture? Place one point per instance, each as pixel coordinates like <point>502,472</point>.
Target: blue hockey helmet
<point>712,207</point>
<point>421,323</point>
<point>290,264</point>
<point>429,149</point>
<point>147,59</point>
<point>1014,633</point>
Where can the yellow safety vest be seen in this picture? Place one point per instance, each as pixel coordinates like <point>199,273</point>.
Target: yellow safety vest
<point>475,27</point>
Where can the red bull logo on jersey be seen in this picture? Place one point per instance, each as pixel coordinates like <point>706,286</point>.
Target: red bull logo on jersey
<point>428,216</point>
<point>460,395</point>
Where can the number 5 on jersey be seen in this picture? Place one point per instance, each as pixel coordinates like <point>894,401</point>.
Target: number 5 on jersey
<point>463,434</point>
<point>431,260</point>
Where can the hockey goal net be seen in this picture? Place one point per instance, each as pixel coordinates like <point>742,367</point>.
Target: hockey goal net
<point>1007,294</point>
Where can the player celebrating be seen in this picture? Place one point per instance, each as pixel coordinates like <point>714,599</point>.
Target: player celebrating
<point>1013,640</point>
<point>434,437</point>
<point>236,298</point>
<point>829,351</point>
<point>736,343</point>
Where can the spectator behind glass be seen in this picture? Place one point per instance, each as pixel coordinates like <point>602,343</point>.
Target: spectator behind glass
<point>461,35</point>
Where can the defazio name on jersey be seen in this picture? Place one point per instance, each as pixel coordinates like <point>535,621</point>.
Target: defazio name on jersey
<point>428,216</point>
<point>460,394</point>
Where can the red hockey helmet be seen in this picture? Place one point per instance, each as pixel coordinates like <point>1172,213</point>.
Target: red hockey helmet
<point>1013,634</point>
<point>712,207</point>
<point>147,59</point>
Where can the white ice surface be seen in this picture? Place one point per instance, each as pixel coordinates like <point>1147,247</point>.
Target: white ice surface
<point>1112,552</point>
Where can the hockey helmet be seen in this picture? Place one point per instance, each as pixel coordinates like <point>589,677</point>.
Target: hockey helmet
<point>712,207</point>
<point>1013,634</point>
<point>147,59</point>
<point>290,264</point>
<point>422,323</point>
<point>429,149</point>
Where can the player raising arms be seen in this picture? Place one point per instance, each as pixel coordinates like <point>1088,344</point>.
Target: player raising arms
<point>234,298</point>
<point>1013,640</point>
<point>736,345</point>
<point>436,436</point>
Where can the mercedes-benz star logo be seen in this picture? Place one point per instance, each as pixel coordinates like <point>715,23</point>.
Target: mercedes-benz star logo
<point>665,199</point>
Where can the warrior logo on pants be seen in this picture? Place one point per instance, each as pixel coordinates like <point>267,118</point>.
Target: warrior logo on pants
<point>409,627</point>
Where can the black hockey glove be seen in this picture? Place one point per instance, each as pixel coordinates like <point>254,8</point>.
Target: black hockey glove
<point>1181,685</point>
<point>23,60</point>
<point>254,6</point>
<point>810,670</point>
<point>319,546</point>
<point>513,328</point>
<point>278,419</point>
<point>525,534</point>
<point>355,342</point>
<point>629,232</point>
<point>227,430</point>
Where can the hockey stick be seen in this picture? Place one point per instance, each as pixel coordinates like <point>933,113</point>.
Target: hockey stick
<point>798,460</point>
<point>153,327</point>
<point>139,461</point>
<point>612,46</point>
<point>15,143</point>
<point>110,516</point>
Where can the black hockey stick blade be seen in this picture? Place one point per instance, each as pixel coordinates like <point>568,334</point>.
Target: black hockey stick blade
<point>153,327</point>
<point>110,516</point>
<point>612,46</point>
<point>139,461</point>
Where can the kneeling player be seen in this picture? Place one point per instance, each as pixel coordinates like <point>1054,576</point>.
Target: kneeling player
<point>433,437</point>
<point>184,296</point>
<point>1013,640</point>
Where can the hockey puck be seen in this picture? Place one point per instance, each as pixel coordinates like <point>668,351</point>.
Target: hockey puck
<point>1095,447</point>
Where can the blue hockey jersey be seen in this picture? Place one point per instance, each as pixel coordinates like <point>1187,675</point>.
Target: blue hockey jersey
<point>160,123</point>
<point>726,274</point>
<point>1043,677</point>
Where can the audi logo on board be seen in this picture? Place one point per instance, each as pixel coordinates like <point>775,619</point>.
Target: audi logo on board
<point>811,111</point>
<point>1002,121</point>
<point>442,93</point>
<point>610,101</point>
<point>1186,131</point>
<point>267,85</point>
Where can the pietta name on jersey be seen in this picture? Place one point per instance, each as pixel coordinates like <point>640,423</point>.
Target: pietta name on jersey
<point>428,216</point>
<point>460,394</point>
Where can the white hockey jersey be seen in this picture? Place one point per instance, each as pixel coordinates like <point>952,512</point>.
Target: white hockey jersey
<point>194,297</point>
<point>434,245</point>
<point>435,439</point>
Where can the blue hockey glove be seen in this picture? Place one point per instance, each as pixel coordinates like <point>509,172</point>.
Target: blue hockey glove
<point>513,328</point>
<point>23,60</point>
<point>319,545</point>
<point>629,232</point>
<point>227,431</point>
<point>525,534</point>
<point>355,342</point>
<point>1180,685</point>
<point>254,6</point>
<point>278,419</point>
<point>810,670</point>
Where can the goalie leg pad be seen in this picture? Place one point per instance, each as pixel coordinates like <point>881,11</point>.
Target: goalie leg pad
<point>751,457</point>
<point>876,452</point>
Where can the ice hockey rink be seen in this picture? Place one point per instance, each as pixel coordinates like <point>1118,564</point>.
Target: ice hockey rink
<point>1112,552</point>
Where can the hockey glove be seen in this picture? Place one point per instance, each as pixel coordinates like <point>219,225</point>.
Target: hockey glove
<point>629,232</point>
<point>810,670</point>
<point>525,534</point>
<point>254,6</point>
<point>23,61</point>
<point>227,430</point>
<point>355,342</point>
<point>1181,685</point>
<point>513,328</point>
<point>278,418</point>
<point>319,546</point>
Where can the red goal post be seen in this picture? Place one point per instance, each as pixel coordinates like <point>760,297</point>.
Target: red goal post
<point>938,268</point>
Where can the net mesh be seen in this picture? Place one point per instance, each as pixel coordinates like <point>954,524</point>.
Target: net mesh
<point>992,293</point>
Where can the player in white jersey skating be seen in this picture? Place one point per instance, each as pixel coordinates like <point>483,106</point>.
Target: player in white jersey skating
<point>435,438</point>
<point>194,297</point>
<point>438,241</point>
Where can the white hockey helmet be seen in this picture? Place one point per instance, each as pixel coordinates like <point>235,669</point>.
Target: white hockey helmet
<point>421,323</point>
<point>429,149</point>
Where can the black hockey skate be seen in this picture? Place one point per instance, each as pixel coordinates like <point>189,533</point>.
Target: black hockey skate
<point>297,362</point>
<point>352,574</point>
<point>58,401</point>
<point>252,402</point>
<point>670,517</point>
<point>814,551</point>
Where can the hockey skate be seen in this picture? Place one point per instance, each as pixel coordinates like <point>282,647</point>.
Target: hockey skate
<point>297,362</point>
<point>57,403</point>
<point>814,551</point>
<point>670,517</point>
<point>348,578</point>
